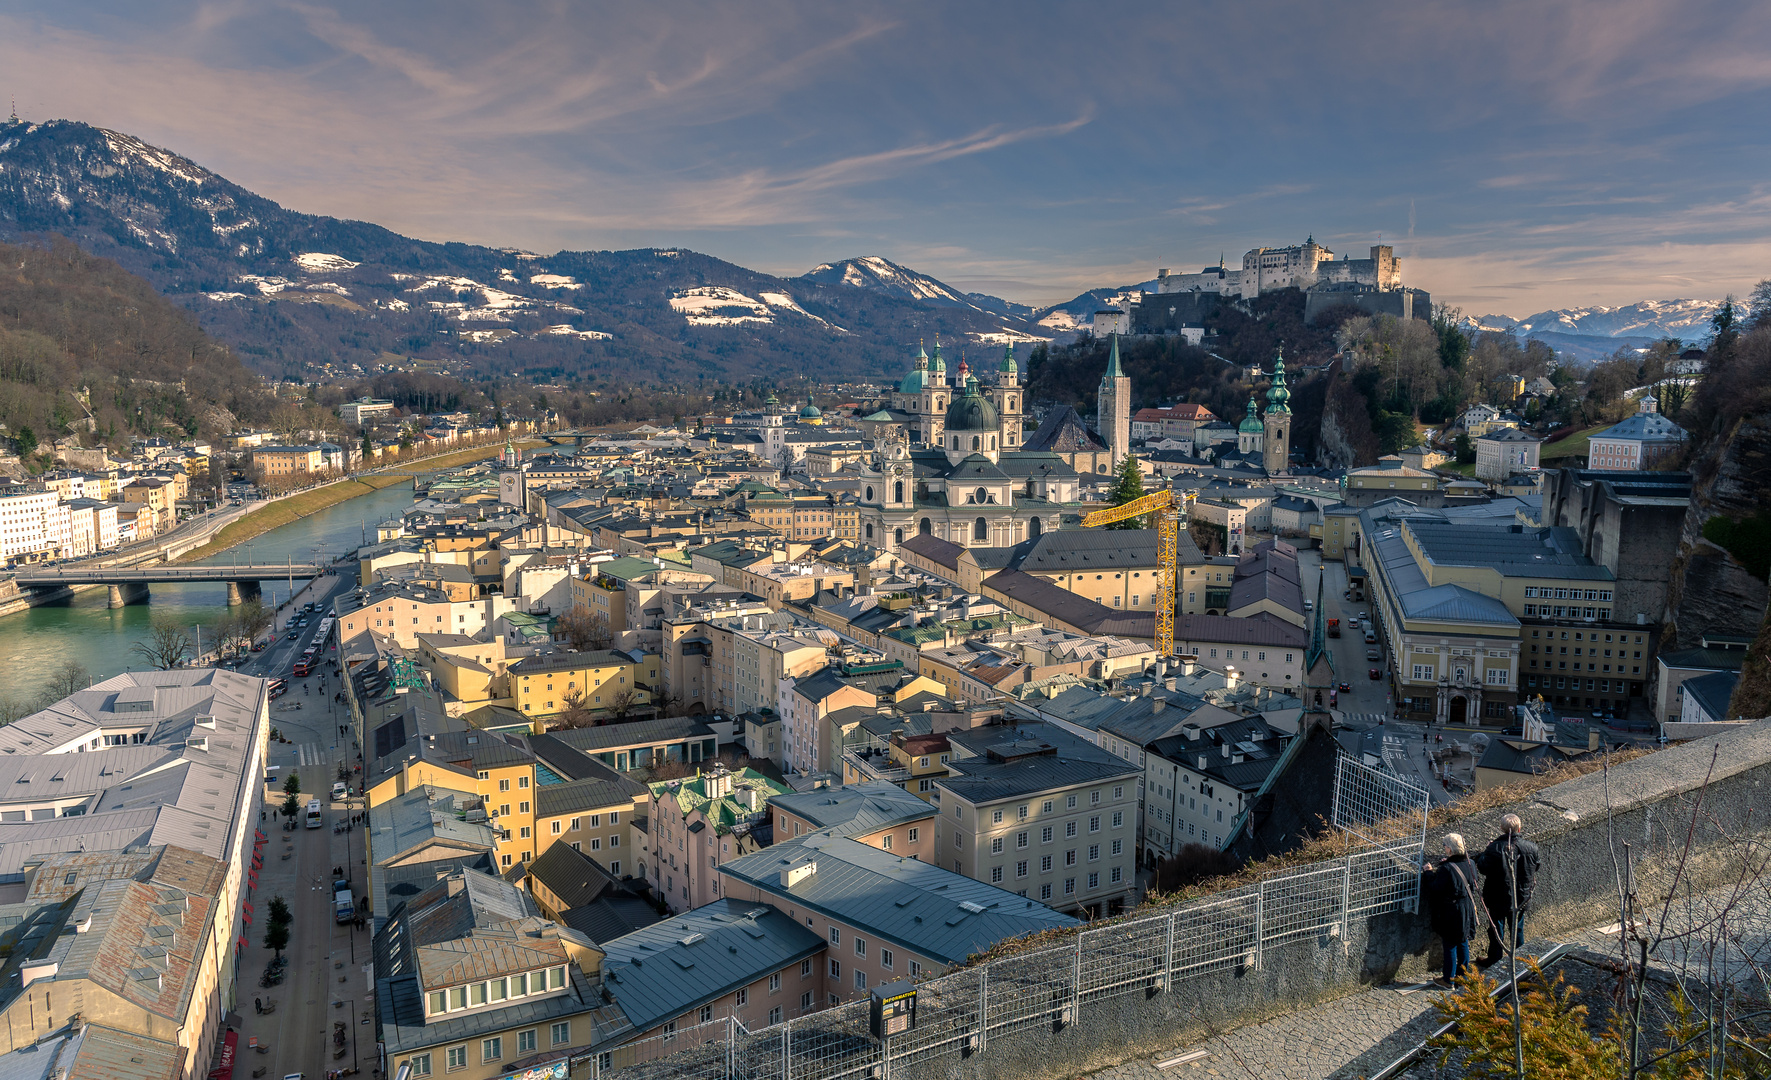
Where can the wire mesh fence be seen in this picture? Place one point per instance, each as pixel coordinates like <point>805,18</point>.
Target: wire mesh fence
<point>962,1012</point>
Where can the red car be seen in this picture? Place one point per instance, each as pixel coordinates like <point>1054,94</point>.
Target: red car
<point>1375,673</point>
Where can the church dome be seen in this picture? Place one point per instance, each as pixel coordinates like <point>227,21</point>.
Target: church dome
<point>972,411</point>
<point>918,376</point>
<point>1251,425</point>
<point>809,411</point>
<point>1008,364</point>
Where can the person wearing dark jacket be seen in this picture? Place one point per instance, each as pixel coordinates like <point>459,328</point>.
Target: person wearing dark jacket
<point>1451,889</point>
<point>1509,869</point>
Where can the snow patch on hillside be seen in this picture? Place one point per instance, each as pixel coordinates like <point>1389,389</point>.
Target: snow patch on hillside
<point>716,305</point>
<point>565,330</point>
<point>320,262</point>
<point>783,302</point>
<point>554,281</point>
<point>129,148</point>
<point>1004,337</point>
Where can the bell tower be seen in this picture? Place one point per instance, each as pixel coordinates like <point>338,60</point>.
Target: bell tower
<point>1113,407</point>
<point>1009,402</point>
<point>1276,444</point>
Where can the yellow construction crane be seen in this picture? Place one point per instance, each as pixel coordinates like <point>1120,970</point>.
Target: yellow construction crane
<point>1166,508</point>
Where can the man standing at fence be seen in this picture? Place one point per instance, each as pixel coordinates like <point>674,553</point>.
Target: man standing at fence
<point>1509,868</point>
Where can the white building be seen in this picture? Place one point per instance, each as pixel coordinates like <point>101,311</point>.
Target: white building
<point>357,413</point>
<point>33,525</point>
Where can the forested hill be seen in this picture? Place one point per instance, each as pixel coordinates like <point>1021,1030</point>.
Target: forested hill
<point>82,339</point>
<point>295,291</point>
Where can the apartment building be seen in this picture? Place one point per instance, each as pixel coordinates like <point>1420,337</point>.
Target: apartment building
<point>471,981</point>
<point>1116,568</point>
<point>33,526</point>
<point>1036,810</point>
<point>402,610</point>
<point>872,812</point>
<point>699,824</point>
<point>286,461</point>
<point>603,681</point>
<point>363,410</point>
<point>1201,782</point>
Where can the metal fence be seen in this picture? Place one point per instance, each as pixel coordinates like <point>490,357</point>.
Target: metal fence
<point>961,1012</point>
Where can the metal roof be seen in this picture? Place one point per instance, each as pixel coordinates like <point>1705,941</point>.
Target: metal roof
<point>855,808</point>
<point>912,904</point>
<point>669,968</point>
<point>639,733</point>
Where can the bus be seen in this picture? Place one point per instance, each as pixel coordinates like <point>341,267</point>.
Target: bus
<point>314,817</point>
<point>303,667</point>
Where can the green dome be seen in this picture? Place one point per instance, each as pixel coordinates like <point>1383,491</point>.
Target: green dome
<point>771,402</point>
<point>809,411</point>
<point>918,377</point>
<point>1008,361</point>
<point>1251,425</point>
<point>972,411</point>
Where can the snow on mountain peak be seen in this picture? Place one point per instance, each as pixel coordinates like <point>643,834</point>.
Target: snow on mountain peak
<point>1688,319</point>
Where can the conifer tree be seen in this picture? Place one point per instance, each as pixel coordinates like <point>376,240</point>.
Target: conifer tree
<point>1128,488</point>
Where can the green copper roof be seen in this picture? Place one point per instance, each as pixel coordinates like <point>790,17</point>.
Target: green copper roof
<point>1277,394</point>
<point>1008,360</point>
<point>1251,425</point>
<point>1114,371</point>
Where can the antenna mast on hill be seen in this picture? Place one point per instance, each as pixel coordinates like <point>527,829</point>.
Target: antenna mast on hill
<point>14,119</point>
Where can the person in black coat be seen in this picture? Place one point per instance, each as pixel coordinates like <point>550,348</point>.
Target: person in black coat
<point>1509,869</point>
<point>1451,888</point>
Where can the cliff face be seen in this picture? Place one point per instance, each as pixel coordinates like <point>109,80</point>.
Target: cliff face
<point>1712,591</point>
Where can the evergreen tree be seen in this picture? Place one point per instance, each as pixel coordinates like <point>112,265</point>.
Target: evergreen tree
<point>1128,488</point>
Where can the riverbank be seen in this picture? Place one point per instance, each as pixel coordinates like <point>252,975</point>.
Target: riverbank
<point>294,507</point>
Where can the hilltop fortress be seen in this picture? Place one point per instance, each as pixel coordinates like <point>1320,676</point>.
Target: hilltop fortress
<point>1181,301</point>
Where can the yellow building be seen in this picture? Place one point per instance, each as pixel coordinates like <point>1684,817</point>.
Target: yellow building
<point>605,682</point>
<point>279,461</point>
<point>470,673</point>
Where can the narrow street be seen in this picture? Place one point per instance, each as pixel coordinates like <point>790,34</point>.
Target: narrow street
<point>328,979</point>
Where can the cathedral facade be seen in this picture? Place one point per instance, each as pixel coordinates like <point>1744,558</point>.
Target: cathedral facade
<point>948,461</point>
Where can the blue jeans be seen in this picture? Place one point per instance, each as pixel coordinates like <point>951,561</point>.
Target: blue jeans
<point>1457,957</point>
<point>1497,941</point>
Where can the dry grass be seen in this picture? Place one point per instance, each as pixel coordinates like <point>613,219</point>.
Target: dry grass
<point>1328,843</point>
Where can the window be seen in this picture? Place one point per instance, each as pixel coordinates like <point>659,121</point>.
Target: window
<point>835,936</point>
<point>1423,673</point>
<point>836,969</point>
<point>522,808</point>
<point>1094,823</point>
<point>1094,852</point>
<point>669,1031</point>
<point>1045,891</point>
<point>526,1040</point>
<point>996,845</point>
<point>707,1014</point>
<point>1069,886</point>
<point>805,969</point>
<point>439,1002</point>
<point>1070,802</point>
<point>560,1033</point>
<point>1118,849</point>
<point>492,1049</point>
<point>1069,828</point>
<point>1070,857</point>
<point>995,874</point>
<point>1045,864</point>
<point>1497,676</point>
<point>421,1065</point>
<point>1021,838</point>
<point>504,785</point>
<point>1094,880</point>
<point>1116,875</point>
<point>995,815</point>
<point>915,834</point>
<point>860,980</point>
<point>1119,792</point>
<point>456,1057</point>
<point>805,1002</point>
<point>860,946</point>
<point>775,1013</point>
<point>885,842</point>
<point>1021,868</point>
<point>1118,818</point>
<point>554,828</point>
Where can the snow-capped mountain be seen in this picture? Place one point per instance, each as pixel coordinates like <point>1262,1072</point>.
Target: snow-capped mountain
<point>296,291</point>
<point>1688,320</point>
<point>887,277</point>
<point>1079,312</point>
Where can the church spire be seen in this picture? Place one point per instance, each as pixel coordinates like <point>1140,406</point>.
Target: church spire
<point>1278,396</point>
<point>1114,371</point>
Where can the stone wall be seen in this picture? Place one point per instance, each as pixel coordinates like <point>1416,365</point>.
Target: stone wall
<point>1651,805</point>
<point>1711,592</point>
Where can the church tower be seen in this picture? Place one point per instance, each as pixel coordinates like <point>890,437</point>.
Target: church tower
<point>936,394</point>
<point>1113,405</point>
<point>1249,433</point>
<point>1008,399</point>
<point>1277,444</point>
<point>512,485</point>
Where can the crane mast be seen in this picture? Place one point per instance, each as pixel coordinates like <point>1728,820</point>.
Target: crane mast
<point>1166,509</point>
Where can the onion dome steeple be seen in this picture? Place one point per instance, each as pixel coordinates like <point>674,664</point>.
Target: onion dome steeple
<point>1251,424</point>
<point>1278,396</point>
<point>1008,364</point>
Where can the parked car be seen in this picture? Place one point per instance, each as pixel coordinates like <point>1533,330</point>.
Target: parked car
<point>1375,673</point>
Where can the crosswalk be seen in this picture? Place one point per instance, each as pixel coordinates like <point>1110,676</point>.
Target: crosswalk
<point>1362,720</point>
<point>309,754</point>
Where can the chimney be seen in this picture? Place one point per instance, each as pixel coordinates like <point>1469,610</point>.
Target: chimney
<point>1158,705</point>
<point>1225,747</point>
<point>1188,665</point>
<point>1594,738</point>
<point>1230,679</point>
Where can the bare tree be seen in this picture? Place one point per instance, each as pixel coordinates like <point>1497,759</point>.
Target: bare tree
<point>70,677</point>
<point>622,703</point>
<point>584,629</point>
<point>574,715</point>
<point>166,644</point>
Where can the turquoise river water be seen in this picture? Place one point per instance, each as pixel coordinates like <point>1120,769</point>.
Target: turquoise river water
<point>34,643</point>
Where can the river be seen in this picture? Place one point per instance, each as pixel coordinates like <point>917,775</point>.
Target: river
<point>37,642</point>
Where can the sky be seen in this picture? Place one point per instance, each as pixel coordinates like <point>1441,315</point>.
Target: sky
<point>1519,156</point>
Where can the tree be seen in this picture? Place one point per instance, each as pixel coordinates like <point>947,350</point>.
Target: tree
<point>1725,332</point>
<point>584,629</point>
<point>278,910</point>
<point>368,449</point>
<point>1128,488</point>
<point>1758,305</point>
<point>276,937</point>
<point>1466,450</point>
<point>622,703</point>
<point>291,806</point>
<point>166,644</point>
<point>69,678</point>
<point>574,715</point>
<point>292,785</point>
<point>27,441</point>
